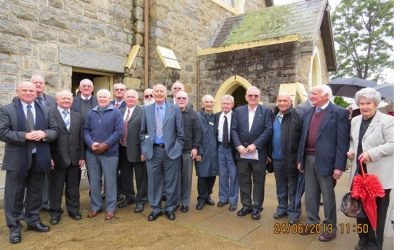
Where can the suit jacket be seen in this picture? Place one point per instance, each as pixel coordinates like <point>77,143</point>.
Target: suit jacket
<point>133,150</point>
<point>15,139</point>
<point>378,142</point>
<point>76,105</point>
<point>259,134</point>
<point>303,108</point>
<point>121,106</point>
<point>50,101</point>
<point>68,148</point>
<point>172,131</point>
<point>332,140</point>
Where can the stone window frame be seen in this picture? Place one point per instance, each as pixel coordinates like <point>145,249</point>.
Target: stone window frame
<point>237,8</point>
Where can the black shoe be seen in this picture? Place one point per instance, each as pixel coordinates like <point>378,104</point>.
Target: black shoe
<point>15,237</point>
<point>54,220</point>
<point>170,215</point>
<point>184,209</point>
<point>164,197</point>
<point>139,208</point>
<point>39,227</point>
<point>278,216</point>
<point>256,215</point>
<point>120,197</point>
<point>210,202</point>
<point>125,203</point>
<point>243,212</point>
<point>200,206</point>
<point>153,216</point>
<point>45,208</point>
<point>361,245</point>
<point>232,207</point>
<point>222,203</point>
<point>75,216</point>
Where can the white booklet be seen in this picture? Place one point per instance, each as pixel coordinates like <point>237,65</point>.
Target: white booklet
<point>250,156</point>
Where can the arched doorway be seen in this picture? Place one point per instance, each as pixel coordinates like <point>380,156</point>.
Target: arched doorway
<point>315,70</point>
<point>239,95</point>
<point>235,86</point>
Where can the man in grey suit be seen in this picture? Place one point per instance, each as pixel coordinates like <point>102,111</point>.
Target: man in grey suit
<point>162,139</point>
<point>130,155</point>
<point>67,153</point>
<point>26,128</point>
<point>251,131</point>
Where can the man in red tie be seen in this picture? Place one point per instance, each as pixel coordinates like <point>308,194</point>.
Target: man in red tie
<point>130,156</point>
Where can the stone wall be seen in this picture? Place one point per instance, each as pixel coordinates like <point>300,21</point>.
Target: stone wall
<point>264,67</point>
<point>184,26</point>
<point>32,33</point>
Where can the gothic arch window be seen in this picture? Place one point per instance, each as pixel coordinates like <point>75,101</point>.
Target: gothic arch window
<point>315,69</point>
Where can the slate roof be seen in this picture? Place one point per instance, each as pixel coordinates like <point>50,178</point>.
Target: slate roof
<point>299,18</point>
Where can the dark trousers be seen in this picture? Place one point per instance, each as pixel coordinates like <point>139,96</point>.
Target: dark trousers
<point>376,241</point>
<point>128,170</point>
<point>204,187</point>
<point>71,177</point>
<point>14,197</point>
<point>251,180</point>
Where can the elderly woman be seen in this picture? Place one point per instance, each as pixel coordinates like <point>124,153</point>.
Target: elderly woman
<point>372,143</point>
<point>103,130</point>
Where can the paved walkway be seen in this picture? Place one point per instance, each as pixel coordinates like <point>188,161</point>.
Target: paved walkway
<point>211,228</point>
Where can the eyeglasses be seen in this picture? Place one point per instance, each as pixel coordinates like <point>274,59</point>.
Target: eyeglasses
<point>148,96</point>
<point>253,96</point>
<point>181,98</point>
<point>176,88</point>
<point>119,89</point>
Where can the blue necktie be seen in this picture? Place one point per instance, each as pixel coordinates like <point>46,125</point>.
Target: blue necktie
<point>66,118</point>
<point>159,131</point>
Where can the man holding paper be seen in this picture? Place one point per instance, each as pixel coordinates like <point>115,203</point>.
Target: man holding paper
<point>251,131</point>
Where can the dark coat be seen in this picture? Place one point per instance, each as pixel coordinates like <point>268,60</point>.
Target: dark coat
<point>77,103</point>
<point>332,140</point>
<point>208,166</point>
<point>133,149</point>
<point>122,105</point>
<point>68,148</point>
<point>260,133</point>
<point>291,128</point>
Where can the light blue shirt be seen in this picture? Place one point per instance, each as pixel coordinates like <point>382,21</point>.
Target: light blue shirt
<point>25,108</point>
<point>158,140</point>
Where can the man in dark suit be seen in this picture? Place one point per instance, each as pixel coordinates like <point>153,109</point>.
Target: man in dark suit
<point>161,136</point>
<point>86,100</point>
<point>322,156</point>
<point>228,174</point>
<point>67,153</point>
<point>130,155</point>
<point>41,97</point>
<point>27,128</point>
<point>119,95</point>
<point>251,131</point>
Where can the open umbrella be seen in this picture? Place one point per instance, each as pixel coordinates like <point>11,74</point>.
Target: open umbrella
<point>386,90</point>
<point>349,86</point>
<point>367,187</point>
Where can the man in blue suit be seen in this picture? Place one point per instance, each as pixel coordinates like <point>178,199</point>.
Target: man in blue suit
<point>322,157</point>
<point>161,136</point>
<point>251,131</point>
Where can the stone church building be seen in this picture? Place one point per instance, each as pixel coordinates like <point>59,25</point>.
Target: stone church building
<point>212,46</point>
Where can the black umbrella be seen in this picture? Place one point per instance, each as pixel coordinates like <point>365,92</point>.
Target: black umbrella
<point>300,190</point>
<point>386,91</point>
<point>349,86</point>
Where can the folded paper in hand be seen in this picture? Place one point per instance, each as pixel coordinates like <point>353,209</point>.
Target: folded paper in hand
<point>250,156</point>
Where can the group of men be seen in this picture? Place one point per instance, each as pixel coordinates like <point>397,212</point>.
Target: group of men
<point>162,140</point>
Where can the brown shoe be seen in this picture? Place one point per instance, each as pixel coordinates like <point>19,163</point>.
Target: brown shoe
<point>327,237</point>
<point>92,214</point>
<point>109,216</point>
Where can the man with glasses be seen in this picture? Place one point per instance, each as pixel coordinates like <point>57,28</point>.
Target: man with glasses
<point>251,132</point>
<point>119,94</point>
<point>190,148</point>
<point>148,97</point>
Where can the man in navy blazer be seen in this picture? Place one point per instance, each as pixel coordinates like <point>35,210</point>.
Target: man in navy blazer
<point>161,136</point>
<point>251,132</point>
<point>322,157</point>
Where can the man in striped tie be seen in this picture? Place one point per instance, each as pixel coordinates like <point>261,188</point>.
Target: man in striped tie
<point>67,159</point>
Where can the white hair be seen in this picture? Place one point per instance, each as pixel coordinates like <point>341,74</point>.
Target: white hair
<point>369,94</point>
